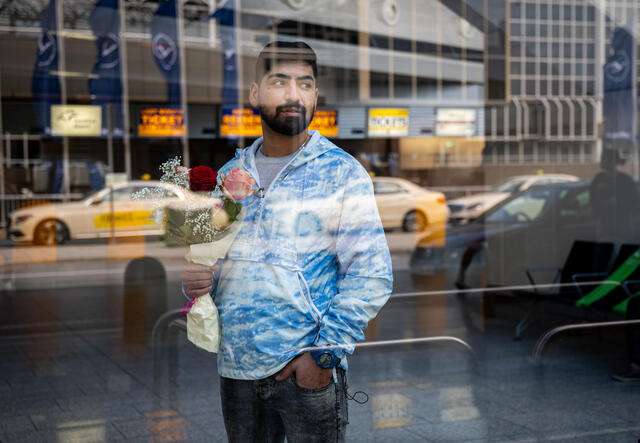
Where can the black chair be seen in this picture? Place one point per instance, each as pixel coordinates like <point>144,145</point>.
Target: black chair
<point>585,257</point>
<point>626,287</point>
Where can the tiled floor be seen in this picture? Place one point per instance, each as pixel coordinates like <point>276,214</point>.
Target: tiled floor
<point>89,381</point>
<point>81,386</point>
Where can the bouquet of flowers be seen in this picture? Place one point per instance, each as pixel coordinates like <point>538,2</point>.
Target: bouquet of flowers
<point>207,221</point>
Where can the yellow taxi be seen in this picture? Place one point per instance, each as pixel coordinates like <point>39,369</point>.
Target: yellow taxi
<point>403,204</point>
<point>123,210</point>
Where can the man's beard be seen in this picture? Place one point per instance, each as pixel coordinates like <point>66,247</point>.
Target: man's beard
<point>289,126</point>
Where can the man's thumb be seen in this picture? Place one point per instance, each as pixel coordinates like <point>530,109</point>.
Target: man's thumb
<point>287,371</point>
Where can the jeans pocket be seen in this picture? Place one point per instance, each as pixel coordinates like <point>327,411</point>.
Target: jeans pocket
<point>321,390</point>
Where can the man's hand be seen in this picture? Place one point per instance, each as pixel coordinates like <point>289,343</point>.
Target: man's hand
<point>308,374</point>
<point>197,279</point>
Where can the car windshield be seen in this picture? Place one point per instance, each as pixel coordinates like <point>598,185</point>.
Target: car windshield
<point>526,207</point>
<point>92,194</point>
<point>509,186</point>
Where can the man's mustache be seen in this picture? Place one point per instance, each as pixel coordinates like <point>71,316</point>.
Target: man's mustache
<point>290,106</point>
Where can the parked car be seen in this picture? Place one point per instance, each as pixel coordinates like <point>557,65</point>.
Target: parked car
<point>112,211</point>
<point>535,228</point>
<point>465,209</point>
<point>403,204</point>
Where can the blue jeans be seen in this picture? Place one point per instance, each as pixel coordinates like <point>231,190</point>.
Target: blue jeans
<point>267,410</point>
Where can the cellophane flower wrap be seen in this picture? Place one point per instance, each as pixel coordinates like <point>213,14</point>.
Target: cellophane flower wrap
<point>207,221</point>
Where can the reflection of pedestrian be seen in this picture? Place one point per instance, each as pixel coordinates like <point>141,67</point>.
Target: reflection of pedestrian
<point>309,268</point>
<point>614,198</point>
<point>467,257</point>
<point>393,164</point>
<point>633,344</point>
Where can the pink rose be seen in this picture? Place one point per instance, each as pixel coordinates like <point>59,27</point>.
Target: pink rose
<point>238,183</point>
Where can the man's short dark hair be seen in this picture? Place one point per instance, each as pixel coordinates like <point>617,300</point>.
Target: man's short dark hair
<point>278,51</point>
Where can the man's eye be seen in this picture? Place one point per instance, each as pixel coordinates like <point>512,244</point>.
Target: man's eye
<point>278,82</point>
<point>306,85</point>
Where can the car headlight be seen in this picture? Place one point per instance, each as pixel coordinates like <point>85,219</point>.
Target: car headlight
<point>475,207</point>
<point>22,218</point>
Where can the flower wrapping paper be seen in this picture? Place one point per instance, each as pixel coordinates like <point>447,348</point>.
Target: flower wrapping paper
<point>203,321</point>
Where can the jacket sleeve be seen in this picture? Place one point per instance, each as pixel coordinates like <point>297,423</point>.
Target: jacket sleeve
<point>365,278</point>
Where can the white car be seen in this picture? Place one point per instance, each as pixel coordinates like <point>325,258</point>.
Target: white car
<point>466,209</point>
<point>403,204</point>
<point>118,211</point>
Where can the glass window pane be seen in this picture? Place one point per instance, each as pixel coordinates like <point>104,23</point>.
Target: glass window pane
<point>531,11</point>
<point>544,11</point>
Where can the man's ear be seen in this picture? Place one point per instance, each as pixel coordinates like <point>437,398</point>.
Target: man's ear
<point>253,94</point>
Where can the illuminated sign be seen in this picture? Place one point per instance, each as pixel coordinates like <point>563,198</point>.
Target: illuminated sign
<point>325,121</point>
<point>388,122</point>
<point>161,122</point>
<point>76,120</point>
<point>240,122</point>
<point>455,122</point>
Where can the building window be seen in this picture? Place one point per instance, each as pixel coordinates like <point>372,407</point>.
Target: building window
<point>515,10</point>
<point>515,87</point>
<point>544,11</point>
<point>516,49</point>
<point>379,84</point>
<point>427,87</point>
<point>402,87</point>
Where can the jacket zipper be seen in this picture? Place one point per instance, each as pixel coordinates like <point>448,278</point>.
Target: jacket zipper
<point>264,194</point>
<point>306,292</point>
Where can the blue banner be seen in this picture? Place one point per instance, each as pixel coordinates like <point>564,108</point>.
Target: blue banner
<point>618,101</point>
<point>164,44</point>
<point>45,83</point>
<point>105,86</point>
<point>226,17</point>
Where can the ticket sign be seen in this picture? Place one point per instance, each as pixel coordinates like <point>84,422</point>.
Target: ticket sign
<point>161,122</point>
<point>240,122</point>
<point>76,120</point>
<point>325,121</point>
<point>388,122</point>
<point>455,122</point>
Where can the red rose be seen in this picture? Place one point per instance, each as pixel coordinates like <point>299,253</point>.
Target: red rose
<point>202,178</point>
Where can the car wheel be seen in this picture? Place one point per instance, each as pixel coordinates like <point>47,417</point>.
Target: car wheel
<point>414,221</point>
<point>50,233</point>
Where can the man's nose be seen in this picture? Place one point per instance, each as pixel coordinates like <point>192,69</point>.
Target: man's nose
<point>292,93</point>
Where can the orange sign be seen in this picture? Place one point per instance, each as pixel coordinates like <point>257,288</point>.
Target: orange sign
<point>161,122</point>
<point>240,122</point>
<point>326,122</point>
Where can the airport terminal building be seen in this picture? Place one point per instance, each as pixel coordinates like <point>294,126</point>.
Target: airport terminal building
<point>447,94</point>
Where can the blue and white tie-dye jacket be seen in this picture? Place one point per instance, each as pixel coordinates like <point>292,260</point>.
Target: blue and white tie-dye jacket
<point>309,267</point>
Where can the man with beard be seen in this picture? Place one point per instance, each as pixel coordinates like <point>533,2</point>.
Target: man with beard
<point>308,270</point>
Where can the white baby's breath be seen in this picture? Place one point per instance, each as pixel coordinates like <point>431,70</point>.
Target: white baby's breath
<point>174,172</point>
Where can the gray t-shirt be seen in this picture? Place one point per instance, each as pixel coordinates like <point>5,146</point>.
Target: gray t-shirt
<point>268,167</point>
